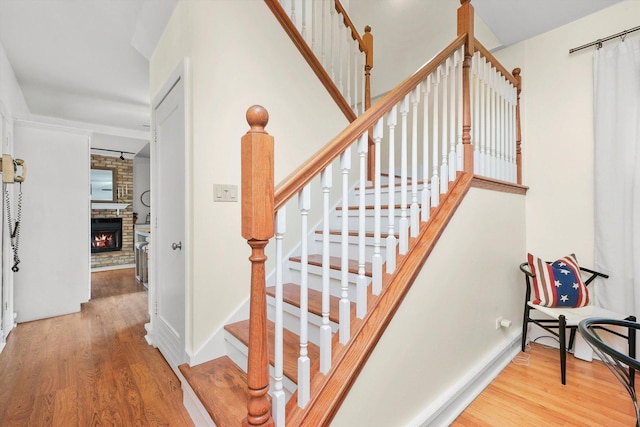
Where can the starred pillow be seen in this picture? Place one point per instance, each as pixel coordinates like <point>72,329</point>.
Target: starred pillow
<point>558,284</point>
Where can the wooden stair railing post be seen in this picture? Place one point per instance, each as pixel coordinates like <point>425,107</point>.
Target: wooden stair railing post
<point>516,74</point>
<point>465,26</point>
<point>257,228</point>
<point>367,40</point>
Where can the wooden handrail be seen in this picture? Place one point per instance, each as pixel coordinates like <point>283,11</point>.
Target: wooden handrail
<point>347,23</point>
<point>293,183</point>
<point>493,61</point>
<point>311,58</point>
<point>257,228</point>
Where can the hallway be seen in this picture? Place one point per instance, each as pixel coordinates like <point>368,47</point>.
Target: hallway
<point>90,368</point>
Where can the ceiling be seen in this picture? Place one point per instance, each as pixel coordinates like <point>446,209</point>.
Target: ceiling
<point>84,63</point>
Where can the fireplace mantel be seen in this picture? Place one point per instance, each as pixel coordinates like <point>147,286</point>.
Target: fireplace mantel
<point>116,206</point>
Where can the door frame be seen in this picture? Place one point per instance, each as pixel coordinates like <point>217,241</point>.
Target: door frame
<point>180,72</point>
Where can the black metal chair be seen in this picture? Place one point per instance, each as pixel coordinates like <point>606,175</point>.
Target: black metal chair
<point>621,365</point>
<point>557,320</point>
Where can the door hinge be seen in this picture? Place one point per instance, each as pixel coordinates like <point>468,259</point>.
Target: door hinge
<point>156,310</point>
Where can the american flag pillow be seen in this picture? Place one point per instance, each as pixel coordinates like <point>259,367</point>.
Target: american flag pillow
<point>558,284</point>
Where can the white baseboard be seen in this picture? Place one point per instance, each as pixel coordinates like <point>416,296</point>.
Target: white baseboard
<point>192,404</point>
<point>452,402</point>
<point>215,346</point>
<point>112,267</point>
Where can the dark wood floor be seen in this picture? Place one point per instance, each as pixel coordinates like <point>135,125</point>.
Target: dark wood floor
<point>92,368</point>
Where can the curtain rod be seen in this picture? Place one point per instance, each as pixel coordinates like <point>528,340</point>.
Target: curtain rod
<point>599,42</point>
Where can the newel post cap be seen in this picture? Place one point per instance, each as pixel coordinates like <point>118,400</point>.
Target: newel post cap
<point>257,117</point>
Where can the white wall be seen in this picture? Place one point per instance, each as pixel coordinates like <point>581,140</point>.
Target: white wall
<point>141,183</point>
<point>12,103</point>
<point>239,56</point>
<point>54,276</point>
<point>428,26</point>
<point>446,324</point>
<point>557,138</point>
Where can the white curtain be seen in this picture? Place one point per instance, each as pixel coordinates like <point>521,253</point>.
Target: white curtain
<point>617,175</point>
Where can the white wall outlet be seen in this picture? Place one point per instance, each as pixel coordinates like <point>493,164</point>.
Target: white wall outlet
<point>225,193</point>
<point>498,322</point>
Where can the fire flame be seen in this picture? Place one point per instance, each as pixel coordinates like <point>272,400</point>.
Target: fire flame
<point>102,240</point>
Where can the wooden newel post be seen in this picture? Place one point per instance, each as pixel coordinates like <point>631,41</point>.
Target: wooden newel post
<point>516,74</point>
<point>465,26</point>
<point>367,40</point>
<point>257,228</point>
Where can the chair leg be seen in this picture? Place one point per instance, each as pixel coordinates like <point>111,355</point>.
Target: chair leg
<point>525,326</point>
<point>572,338</point>
<point>562,323</point>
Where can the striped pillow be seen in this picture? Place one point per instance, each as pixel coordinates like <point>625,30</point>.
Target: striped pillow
<point>558,284</point>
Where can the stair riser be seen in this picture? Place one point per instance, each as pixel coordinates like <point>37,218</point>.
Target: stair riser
<point>291,318</point>
<point>335,246</point>
<point>315,280</point>
<point>237,352</point>
<point>353,221</point>
<point>354,200</point>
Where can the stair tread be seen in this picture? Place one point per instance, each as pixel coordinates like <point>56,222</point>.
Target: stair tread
<point>291,295</point>
<point>221,386</point>
<point>335,263</point>
<point>355,233</point>
<point>291,346</point>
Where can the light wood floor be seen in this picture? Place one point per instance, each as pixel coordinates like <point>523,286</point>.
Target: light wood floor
<point>92,368</point>
<point>533,395</point>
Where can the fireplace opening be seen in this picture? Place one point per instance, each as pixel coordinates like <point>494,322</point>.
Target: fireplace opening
<point>106,234</point>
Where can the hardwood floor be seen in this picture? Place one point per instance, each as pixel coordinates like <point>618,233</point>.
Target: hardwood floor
<point>533,396</point>
<point>91,368</point>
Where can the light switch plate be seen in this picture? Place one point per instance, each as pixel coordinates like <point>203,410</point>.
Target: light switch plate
<point>225,193</point>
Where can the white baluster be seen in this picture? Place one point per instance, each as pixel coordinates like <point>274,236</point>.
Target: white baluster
<point>345,305</point>
<point>453,161</point>
<point>332,11</point>
<point>376,261</point>
<point>361,285</point>
<point>293,13</point>
<point>314,6</point>
<point>304,364</point>
<point>426,204</point>
<point>357,72</point>
<point>403,226</point>
<point>487,119</point>
<point>493,116</point>
<point>392,120</point>
<point>435,181</point>
<point>304,20</point>
<point>475,102</point>
<point>503,129</point>
<point>349,58</point>
<point>415,208</point>
<point>323,33</point>
<point>325,329</point>
<point>459,149</point>
<point>444,167</point>
<point>341,29</point>
<point>278,395</point>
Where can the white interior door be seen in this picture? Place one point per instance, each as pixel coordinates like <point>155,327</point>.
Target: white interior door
<point>168,235</point>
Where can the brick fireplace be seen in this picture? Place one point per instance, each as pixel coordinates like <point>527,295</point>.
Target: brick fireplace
<point>124,192</point>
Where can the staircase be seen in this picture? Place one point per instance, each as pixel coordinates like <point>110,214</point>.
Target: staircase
<point>318,316</point>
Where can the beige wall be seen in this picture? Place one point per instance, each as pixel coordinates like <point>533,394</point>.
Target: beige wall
<point>557,139</point>
<point>238,56</point>
<point>446,324</point>
<point>427,27</point>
